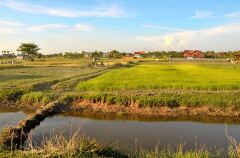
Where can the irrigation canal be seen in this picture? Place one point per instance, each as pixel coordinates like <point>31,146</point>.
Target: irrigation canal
<point>130,132</point>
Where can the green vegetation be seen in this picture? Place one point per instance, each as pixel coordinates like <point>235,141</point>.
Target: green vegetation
<point>39,82</point>
<point>170,85</point>
<point>147,84</point>
<point>170,99</point>
<point>168,76</point>
<point>152,84</point>
<point>35,77</point>
<point>30,49</point>
<point>11,95</point>
<point>36,98</point>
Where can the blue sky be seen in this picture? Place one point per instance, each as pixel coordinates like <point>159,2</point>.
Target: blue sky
<point>126,25</point>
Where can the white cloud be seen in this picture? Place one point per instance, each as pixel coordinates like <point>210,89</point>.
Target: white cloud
<point>223,37</point>
<point>84,27</point>
<point>100,11</point>
<point>10,23</point>
<point>39,28</point>
<point>202,14</point>
<point>7,31</point>
<point>149,26</point>
<point>10,27</point>
<point>233,15</point>
<point>168,40</point>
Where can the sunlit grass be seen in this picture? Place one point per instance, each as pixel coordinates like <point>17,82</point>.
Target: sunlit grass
<point>77,145</point>
<point>168,76</point>
<point>27,76</point>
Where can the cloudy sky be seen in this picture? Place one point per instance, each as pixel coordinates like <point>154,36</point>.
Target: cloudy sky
<point>125,25</point>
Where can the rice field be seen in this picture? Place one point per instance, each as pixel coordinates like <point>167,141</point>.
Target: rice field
<point>207,77</point>
<point>39,82</point>
<point>27,74</point>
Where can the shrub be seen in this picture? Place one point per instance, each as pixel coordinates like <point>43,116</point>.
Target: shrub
<point>131,62</point>
<point>117,65</point>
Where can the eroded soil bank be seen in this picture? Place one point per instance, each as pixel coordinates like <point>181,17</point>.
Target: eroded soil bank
<point>164,111</point>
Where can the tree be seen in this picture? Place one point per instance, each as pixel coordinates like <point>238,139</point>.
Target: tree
<point>29,49</point>
<point>6,54</point>
<point>114,54</point>
<point>97,54</point>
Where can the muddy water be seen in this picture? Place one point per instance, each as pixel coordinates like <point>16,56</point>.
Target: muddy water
<point>135,131</point>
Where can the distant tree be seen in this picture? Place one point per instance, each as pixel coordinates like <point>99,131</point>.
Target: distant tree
<point>97,54</point>
<point>54,55</point>
<point>174,54</point>
<point>30,49</point>
<point>6,54</point>
<point>210,54</point>
<point>73,55</point>
<point>39,55</point>
<point>115,54</point>
<point>237,55</point>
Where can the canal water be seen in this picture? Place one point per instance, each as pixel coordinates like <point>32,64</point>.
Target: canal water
<point>10,118</point>
<point>131,132</point>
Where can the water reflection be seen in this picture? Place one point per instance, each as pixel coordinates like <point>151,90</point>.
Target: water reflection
<point>132,130</point>
<point>10,118</point>
<point>147,132</point>
<point>124,116</point>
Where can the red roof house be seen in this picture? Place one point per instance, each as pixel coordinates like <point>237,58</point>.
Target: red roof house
<point>128,56</point>
<point>193,54</point>
<point>139,54</point>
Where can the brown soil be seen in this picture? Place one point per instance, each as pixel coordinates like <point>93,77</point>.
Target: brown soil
<point>85,105</point>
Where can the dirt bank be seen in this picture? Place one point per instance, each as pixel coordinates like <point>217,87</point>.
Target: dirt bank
<point>13,138</point>
<point>85,105</point>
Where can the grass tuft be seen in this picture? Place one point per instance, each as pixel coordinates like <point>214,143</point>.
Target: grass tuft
<point>36,98</point>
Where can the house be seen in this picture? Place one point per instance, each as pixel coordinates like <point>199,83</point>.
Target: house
<point>128,56</point>
<point>139,54</point>
<point>221,54</point>
<point>190,54</point>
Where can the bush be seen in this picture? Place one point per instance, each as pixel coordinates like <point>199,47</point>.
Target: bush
<point>131,62</point>
<point>117,65</point>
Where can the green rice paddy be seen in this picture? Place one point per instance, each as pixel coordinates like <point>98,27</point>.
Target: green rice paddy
<point>168,76</point>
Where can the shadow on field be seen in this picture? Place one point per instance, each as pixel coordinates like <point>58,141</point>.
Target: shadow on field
<point>19,76</point>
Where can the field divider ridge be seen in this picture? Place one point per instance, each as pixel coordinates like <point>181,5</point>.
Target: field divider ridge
<point>14,137</point>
